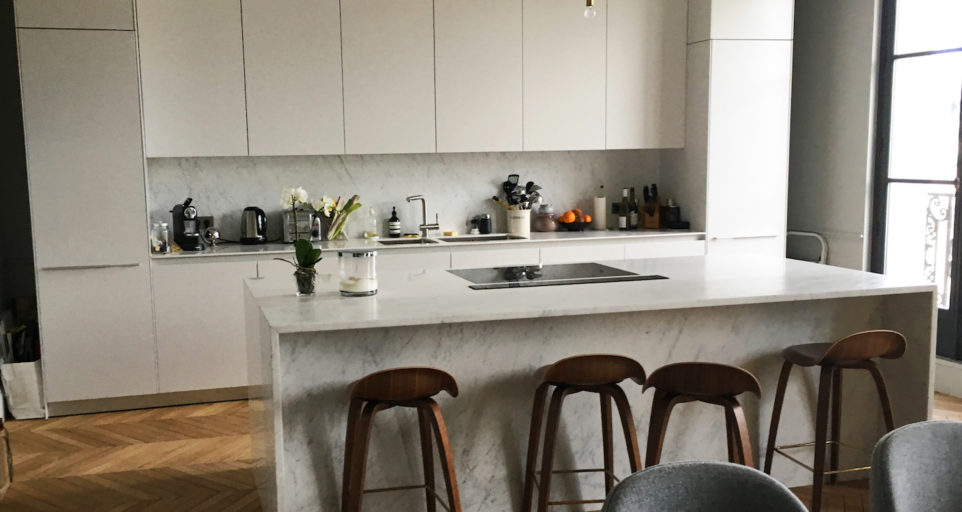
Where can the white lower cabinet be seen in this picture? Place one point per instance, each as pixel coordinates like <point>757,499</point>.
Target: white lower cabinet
<point>582,252</point>
<point>399,261</point>
<point>96,332</point>
<point>767,245</point>
<point>201,338</point>
<point>495,257</point>
<point>200,311</point>
<point>664,249</point>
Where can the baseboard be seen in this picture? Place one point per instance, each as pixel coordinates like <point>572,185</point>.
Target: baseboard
<point>146,401</point>
<point>948,377</point>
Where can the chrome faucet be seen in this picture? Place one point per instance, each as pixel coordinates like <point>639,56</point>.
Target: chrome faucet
<point>425,227</point>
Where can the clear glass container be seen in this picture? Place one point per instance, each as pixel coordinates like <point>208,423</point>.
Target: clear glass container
<point>370,225</point>
<point>358,273</point>
<point>160,238</point>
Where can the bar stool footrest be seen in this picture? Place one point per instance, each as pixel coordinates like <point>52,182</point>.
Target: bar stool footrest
<point>434,493</point>
<point>781,451</point>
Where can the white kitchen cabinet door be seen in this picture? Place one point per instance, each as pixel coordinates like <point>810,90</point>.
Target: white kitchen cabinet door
<point>388,53</point>
<point>413,261</point>
<point>749,116</point>
<point>292,63</point>
<point>192,69</point>
<point>274,269</point>
<point>81,116</point>
<point>96,333</point>
<point>478,52</point>
<point>88,14</point>
<point>580,253</point>
<point>664,249</point>
<point>767,245</point>
<point>646,74</point>
<point>564,76</point>
<point>485,257</point>
<point>201,338</point>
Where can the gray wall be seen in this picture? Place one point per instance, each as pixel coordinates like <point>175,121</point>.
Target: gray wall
<point>16,244</point>
<point>833,123</point>
<point>456,185</point>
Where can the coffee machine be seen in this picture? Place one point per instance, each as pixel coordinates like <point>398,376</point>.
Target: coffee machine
<point>185,224</point>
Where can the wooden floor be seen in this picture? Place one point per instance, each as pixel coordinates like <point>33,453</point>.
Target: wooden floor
<point>193,458</point>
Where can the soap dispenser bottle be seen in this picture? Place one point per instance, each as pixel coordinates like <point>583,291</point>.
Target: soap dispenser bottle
<point>394,224</point>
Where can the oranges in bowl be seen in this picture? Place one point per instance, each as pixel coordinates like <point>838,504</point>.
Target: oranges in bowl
<point>574,220</point>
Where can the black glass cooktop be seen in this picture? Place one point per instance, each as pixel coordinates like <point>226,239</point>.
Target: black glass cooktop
<point>547,275</point>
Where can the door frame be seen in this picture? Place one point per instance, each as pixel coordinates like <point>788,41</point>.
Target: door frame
<point>950,320</point>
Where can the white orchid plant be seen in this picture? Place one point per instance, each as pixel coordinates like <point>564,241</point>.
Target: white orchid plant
<point>293,198</point>
<point>337,211</point>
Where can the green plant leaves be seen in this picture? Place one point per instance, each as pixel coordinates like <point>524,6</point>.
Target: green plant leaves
<point>305,254</point>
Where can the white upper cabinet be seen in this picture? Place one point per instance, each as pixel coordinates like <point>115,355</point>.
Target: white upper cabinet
<point>478,65</point>
<point>292,63</point>
<point>388,52</point>
<point>646,74</point>
<point>740,19</point>
<point>564,76</point>
<point>749,118</point>
<point>86,14</point>
<point>81,118</point>
<point>192,70</point>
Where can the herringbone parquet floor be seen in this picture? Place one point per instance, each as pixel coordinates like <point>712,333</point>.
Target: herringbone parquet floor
<point>193,458</point>
<point>185,459</point>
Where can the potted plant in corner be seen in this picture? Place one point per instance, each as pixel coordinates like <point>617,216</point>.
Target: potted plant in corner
<point>305,257</point>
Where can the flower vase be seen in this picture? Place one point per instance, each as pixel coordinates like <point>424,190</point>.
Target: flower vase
<point>305,281</point>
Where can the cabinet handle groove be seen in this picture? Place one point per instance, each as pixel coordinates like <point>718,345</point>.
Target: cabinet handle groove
<point>92,267</point>
<point>742,237</point>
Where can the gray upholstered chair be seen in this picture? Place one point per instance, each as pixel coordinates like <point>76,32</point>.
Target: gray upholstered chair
<point>701,487</point>
<point>919,467</point>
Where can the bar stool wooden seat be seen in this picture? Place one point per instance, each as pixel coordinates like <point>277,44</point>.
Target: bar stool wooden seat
<point>399,387</point>
<point>711,383</point>
<point>597,373</point>
<point>856,351</point>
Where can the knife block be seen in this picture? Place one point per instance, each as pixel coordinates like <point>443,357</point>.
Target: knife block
<point>651,220</point>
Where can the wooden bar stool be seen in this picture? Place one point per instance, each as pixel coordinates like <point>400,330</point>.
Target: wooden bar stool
<point>399,387</point>
<point>711,383</point>
<point>852,352</point>
<point>599,374</point>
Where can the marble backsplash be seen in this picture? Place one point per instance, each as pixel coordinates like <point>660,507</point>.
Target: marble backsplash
<point>457,186</point>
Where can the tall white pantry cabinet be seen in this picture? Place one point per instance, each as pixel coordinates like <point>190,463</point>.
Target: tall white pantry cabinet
<point>85,164</point>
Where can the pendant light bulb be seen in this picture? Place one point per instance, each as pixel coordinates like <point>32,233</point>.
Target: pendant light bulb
<point>590,11</point>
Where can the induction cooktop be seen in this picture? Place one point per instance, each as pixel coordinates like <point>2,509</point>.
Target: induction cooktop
<point>547,275</point>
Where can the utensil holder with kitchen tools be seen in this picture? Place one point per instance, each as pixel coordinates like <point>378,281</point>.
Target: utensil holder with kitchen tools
<point>519,222</point>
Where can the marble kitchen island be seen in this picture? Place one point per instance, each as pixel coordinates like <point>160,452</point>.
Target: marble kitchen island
<point>743,310</point>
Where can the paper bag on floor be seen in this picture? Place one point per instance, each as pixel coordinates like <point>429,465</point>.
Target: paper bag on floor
<point>23,387</point>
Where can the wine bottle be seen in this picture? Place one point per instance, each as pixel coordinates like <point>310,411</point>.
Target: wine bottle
<point>394,224</point>
<point>632,209</point>
<point>623,211</point>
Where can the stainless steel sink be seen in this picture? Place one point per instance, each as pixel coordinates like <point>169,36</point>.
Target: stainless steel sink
<point>480,238</point>
<point>408,241</point>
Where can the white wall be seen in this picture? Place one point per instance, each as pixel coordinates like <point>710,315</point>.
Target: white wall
<point>833,115</point>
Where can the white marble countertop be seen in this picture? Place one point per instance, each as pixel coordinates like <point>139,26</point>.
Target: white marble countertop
<point>437,296</point>
<point>233,249</point>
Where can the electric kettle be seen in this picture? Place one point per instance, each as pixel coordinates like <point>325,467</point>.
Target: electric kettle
<point>253,226</point>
